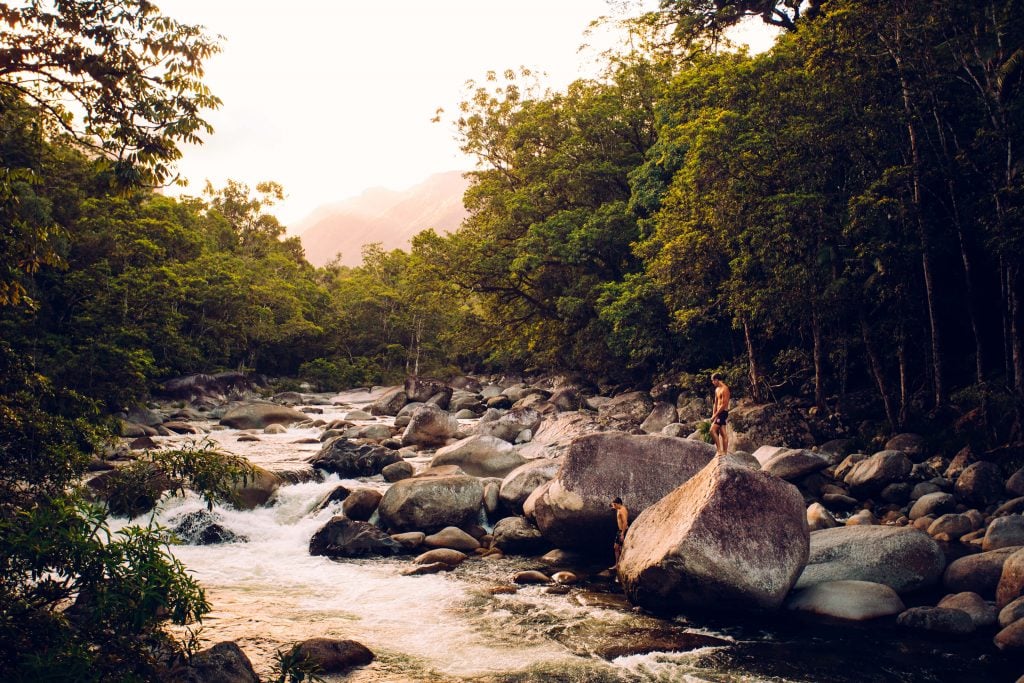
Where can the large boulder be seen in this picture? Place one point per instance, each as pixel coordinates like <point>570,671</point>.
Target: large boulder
<point>515,535</point>
<point>632,407</point>
<point>331,655</point>
<point>1011,582</point>
<point>223,663</point>
<point>662,415</point>
<point>429,426</point>
<point>792,463</point>
<point>347,459</point>
<point>730,537</point>
<point>203,527</point>
<point>902,558</point>
<point>573,509</point>
<point>422,389</point>
<point>980,484</point>
<point>390,403</point>
<point>255,490</point>
<point>978,573</point>
<point>518,484</point>
<point>848,600</point>
<point>260,415</point>
<point>511,424</point>
<point>555,434</point>
<point>771,423</point>
<point>201,386</point>
<point>480,455</point>
<point>873,474</point>
<point>1004,532</point>
<point>430,503</point>
<point>343,537</point>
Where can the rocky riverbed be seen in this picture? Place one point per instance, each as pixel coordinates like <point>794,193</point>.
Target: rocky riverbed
<point>461,532</point>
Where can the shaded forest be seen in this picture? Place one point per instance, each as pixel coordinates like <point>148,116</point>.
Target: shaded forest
<point>838,219</point>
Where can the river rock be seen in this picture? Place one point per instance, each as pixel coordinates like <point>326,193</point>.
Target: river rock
<point>661,415</point>
<point>448,556</point>
<point>902,558</point>
<point>422,389</point>
<point>185,428</point>
<point>818,517</point>
<point>980,484</point>
<point>937,620</point>
<point>872,474</point>
<point>844,467</point>
<point>431,503</point>
<point>980,612</point>
<point>516,536</point>
<point>410,539</point>
<point>429,426</point>
<point>911,444</point>
<point>951,524</point>
<point>728,537</point>
<point>452,537</point>
<point>1015,484</point>
<point>1012,612</point>
<point>977,573</point>
<point>343,537</point>
<point>203,527</point>
<point>510,425</point>
<point>331,655</point>
<point>390,403</point>
<point>791,463</point>
<point>849,600</point>
<point>223,663</point>
<point>933,505</point>
<point>530,576</point>
<point>1011,638</point>
<point>260,415</point>
<point>518,484</point>
<point>1004,532</point>
<point>771,423</point>
<point>566,399</point>
<point>360,504</point>
<point>397,471</point>
<point>632,407</point>
<point>572,510</point>
<point>347,459</point>
<point>1011,581</point>
<point>480,456</point>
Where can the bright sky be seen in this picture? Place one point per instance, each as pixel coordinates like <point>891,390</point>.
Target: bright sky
<point>330,98</point>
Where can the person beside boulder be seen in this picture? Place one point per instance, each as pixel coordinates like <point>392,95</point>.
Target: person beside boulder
<point>622,522</point>
<point>721,413</point>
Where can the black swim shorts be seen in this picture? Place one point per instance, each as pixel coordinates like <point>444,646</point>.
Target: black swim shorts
<point>722,417</point>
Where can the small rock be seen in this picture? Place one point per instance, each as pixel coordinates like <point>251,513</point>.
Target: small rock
<point>275,429</point>
<point>429,568</point>
<point>1011,638</point>
<point>937,620</point>
<point>361,504</point>
<point>861,518</point>
<point>1013,611</point>
<point>331,655</point>
<point>980,612</point>
<point>1004,532</point>
<point>530,576</point>
<point>1011,581</point>
<point>397,471</point>
<point>446,555</point>
<point>978,573</point>
<point>952,524</point>
<point>564,577</point>
<point>820,518</point>
<point>980,484</point>
<point>452,537</point>
<point>850,600</point>
<point>409,539</point>
<point>932,504</point>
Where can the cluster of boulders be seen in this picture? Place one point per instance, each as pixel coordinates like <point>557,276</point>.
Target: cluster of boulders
<point>819,530</point>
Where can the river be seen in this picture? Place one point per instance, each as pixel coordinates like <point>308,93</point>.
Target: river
<point>268,593</point>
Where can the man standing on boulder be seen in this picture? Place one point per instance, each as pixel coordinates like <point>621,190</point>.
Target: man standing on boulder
<point>719,432</point>
<point>622,521</point>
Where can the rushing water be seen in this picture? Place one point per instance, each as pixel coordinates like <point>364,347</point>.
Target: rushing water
<point>268,593</point>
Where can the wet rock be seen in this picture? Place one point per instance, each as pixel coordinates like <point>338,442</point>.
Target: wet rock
<point>142,443</point>
<point>933,504</point>
<point>819,518</point>
<point>347,459</point>
<point>181,427</point>
<point>431,503</point>
<point>360,504</point>
<point>516,536</point>
<point>980,484</point>
<point>410,539</point>
<point>977,573</point>
<point>223,663</point>
<point>1004,532</point>
<point>390,403</point>
<point>791,463</point>
<point>204,528</point>
<point>397,471</point>
<point>337,494</point>
<point>131,494</point>
<point>343,537</point>
<point>838,501</point>
<point>260,415</point>
<point>729,537</point>
<point>1011,638</point>
<point>510,425</point>
<point>247,438</point>
<point>133,430</point>
<point>429,568</point>
<point>873,474</point>
<point>564,577</point>
<point>980,612</point>
<point>448,556</point>
<point>849,600</point>
<point>331,655</point>
<point>572,510</point>
<point>899,557</point>
<point>1011,581</point>
<point>429,426</point>
<point>480,456</point>
<point>530,576</point>
<point>633,407</point>
<point>937,620</point>
<point>491,502</point>
<point>452,537</point>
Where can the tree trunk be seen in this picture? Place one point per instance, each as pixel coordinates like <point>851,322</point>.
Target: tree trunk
<point>819,363</point>
<point>878,372</point>
<point>1016,345</point>
<point>901,356</point>
<point>755,376</point>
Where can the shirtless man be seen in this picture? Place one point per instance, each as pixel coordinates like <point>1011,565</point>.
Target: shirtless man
<point>622,521</point>
<point>721,413</point>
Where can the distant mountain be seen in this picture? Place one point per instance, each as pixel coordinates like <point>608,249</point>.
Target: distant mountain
<point>381,215</point>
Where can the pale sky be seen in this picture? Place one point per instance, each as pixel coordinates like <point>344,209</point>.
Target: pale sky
<point>331,98</point>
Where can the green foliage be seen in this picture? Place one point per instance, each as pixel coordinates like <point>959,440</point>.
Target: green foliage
<point>291,666</point>
<point>204,468</point>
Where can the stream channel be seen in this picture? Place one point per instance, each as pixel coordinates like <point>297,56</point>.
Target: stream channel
<point>268,593</point>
